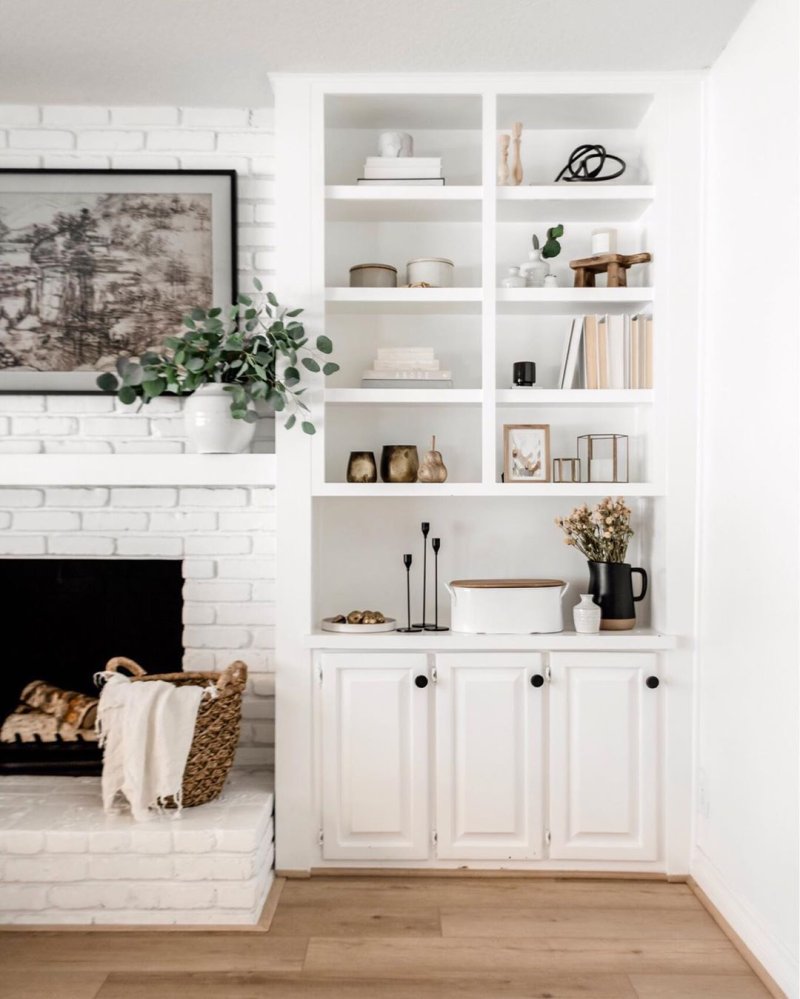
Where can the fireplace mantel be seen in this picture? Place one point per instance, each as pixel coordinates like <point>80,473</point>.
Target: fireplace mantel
<point>138,470</point>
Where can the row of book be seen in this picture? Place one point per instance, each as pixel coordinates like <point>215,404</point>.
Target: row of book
<point>402,170</point>
<point>609,352</point>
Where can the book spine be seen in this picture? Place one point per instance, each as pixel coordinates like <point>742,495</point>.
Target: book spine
<point>590,352</point>
<point>602,353</point>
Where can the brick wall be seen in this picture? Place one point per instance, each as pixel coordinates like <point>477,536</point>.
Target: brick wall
<point>124,138</point>
<point>225,538</point>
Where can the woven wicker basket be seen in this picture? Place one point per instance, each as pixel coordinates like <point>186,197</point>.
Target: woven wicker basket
<point>216,732</point>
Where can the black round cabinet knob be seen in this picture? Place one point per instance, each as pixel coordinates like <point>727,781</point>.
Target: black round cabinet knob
<point>421,681</point>
<point>537,680</point>
<point>652,682</point>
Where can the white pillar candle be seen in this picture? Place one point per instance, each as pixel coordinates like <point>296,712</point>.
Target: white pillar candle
<point>604,241</point>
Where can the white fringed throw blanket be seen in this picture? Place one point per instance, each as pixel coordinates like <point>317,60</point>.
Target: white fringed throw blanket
<point>146,731</point>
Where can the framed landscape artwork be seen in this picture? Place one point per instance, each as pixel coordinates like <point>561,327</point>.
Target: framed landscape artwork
<point>526,452</point>
<point>95,264</point>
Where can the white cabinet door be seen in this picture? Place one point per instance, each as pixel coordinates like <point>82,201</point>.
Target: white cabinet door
<point>604,773</point>
<point>375,756</point>
<point>490,756</point>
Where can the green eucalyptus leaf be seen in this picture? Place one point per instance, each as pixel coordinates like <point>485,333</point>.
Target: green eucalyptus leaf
<point>245,300</point>
<point>257,284</point>
<point>251,416</point>
<point>273,301</point>
<point>195,364</point>
<point>188,321</point>
<point>279,403</point>
<point>198,315</point>
<point>324,345</point>
<point>108,382</point>
<point>290,422</point>
<point>330,368</point>
<point>291,376</point>
<point>310,364</point>
<point>308,428</point>
<point>127,395</point>
<point>293,313</point>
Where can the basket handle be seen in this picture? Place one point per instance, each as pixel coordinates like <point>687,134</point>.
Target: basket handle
<point>130,665</point>
<point>233,677</point>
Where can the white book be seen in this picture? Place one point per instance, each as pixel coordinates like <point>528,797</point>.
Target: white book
<point>412,374</point>
<point>636,353</point>
<point>572,350</point>
<point>400,181</point>
<point>387,353</point>
<point>417,161</point>
<point>406,365</point>
<point>396,173</point>
<point>616,352</point>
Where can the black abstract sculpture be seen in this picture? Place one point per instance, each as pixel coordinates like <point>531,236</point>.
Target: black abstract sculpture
<point>587,162</point>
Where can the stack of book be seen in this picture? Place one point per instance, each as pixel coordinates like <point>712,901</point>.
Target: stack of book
<point>609,352</point>
<point>406,367</point>
<point>402,170</point>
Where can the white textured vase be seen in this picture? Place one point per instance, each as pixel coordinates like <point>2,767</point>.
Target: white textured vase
<point>535,269</point>
<point>210,426</point>
<point>586,616</point>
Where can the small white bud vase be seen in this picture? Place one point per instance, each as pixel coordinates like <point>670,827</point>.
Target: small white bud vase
<point>535,269</point>
<point>586,616</point>
<point>210,426</point>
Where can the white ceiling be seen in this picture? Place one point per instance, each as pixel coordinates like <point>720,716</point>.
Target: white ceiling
<point>218,52</point>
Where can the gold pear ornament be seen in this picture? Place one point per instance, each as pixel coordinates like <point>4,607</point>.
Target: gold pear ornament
<point>432,468</point>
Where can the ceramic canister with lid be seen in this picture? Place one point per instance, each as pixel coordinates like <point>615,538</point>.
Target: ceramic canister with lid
<point>436,272</point>
<point>507,606</point>
<point>373,276</point>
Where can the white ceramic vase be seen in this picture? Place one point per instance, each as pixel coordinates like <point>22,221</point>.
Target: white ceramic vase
<point>586,616</point>
<point>535,269</point>
<point>210,426</point>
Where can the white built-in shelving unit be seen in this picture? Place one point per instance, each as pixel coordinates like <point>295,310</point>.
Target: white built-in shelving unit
<point>345,541</point>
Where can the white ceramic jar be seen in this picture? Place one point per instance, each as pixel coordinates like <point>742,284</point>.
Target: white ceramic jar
<point>210,426</point>
<point>507,606</point>
<point>586,615</point>
<point>436,272</point>
<point>514,279</point>
<point>373,276</point>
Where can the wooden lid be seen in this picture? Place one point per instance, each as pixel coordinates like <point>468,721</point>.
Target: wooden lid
<point>383,267</point>
<point>506,584</point>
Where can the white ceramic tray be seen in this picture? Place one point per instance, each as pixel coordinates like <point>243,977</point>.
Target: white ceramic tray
<point>358,629</point>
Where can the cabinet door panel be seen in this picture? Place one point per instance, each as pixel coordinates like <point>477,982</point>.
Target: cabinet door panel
<point>489,740</point>
<point>374,757</point>
<point>603,757</point>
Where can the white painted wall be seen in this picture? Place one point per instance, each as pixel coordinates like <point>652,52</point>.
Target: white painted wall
<point>746,837</point>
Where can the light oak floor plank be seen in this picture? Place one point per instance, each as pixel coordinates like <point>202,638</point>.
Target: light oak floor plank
<point>563,921</point>
<point>218,951</point>
<point>363,920</point>
<point>47,985</point>
<point>698,987</point>
<point>402,957</point>
<point>238,986</point>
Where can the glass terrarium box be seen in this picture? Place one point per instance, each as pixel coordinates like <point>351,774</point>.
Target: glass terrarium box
<point>603,457</point>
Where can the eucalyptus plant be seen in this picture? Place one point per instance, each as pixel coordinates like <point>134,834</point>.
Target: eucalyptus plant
<point>256,351</point>
<point>552,247</point>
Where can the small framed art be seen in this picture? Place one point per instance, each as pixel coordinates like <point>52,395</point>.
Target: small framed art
<point>526,452</point>
<point>95,264</point>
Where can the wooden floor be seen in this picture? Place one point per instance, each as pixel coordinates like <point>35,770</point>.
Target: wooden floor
<point>407,938</point>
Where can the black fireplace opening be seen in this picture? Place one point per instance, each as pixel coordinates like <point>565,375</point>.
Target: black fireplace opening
<point>63,619</point>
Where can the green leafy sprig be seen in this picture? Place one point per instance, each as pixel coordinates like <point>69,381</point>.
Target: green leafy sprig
<point>258,352</point>
<point>552,247</point>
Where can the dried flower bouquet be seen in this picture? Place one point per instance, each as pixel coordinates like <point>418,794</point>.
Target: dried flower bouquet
<point>602,534</point>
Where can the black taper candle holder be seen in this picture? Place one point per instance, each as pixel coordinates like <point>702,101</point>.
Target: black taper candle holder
<point>407,563</point>
<point>436,544</point>
<point>425,526</point>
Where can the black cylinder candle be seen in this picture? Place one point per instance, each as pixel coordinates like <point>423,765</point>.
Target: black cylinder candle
<point>524,373</point>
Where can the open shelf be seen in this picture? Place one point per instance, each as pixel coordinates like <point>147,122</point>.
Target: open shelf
<point>403,203</point>
<point>389,300</point>
<point>483,489</point>
<point>572,301</point>
<point>574,202</point>
<point>402,397</point>
<point>573,397</point>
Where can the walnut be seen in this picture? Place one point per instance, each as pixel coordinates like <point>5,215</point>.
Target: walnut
<point>355,617</point>
<point>339,619</point>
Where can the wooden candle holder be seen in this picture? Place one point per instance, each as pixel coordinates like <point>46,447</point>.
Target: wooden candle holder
<point>614,264</point>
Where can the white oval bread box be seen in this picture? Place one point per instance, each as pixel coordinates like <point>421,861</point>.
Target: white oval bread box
<point>507,606</point>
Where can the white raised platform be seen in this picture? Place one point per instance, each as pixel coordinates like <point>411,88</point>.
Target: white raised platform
<point>65,862</point>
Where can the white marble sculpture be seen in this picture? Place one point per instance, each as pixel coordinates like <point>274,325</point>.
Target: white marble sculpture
<point>395,144</point>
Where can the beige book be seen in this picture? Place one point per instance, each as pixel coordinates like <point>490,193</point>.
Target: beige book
<point>602,354</point>
<point>648,353</point>
<point>590,352</point>
<point>634,370</point>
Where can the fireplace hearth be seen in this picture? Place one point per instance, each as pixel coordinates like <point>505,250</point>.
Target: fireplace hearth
<point>62,620</point>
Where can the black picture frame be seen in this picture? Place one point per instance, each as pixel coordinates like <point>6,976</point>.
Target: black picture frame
<point>220,184</point>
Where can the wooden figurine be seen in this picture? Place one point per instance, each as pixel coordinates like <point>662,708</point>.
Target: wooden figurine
<point>516,163</point>
<point>614,264</point>
<point>502,160</point>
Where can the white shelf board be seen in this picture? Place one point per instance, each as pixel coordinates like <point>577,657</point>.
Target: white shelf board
<point>574,397</point>
<point>394,300</point>
<point>403,397</point>
<point>574,202</point>
<point>517,490</point>
<point>403,203</point>
<point>138,470</point>
<point>637,640</point>
<point>572,301</point>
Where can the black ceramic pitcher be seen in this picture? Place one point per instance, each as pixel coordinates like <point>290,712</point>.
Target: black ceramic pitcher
<point>611,586</point>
